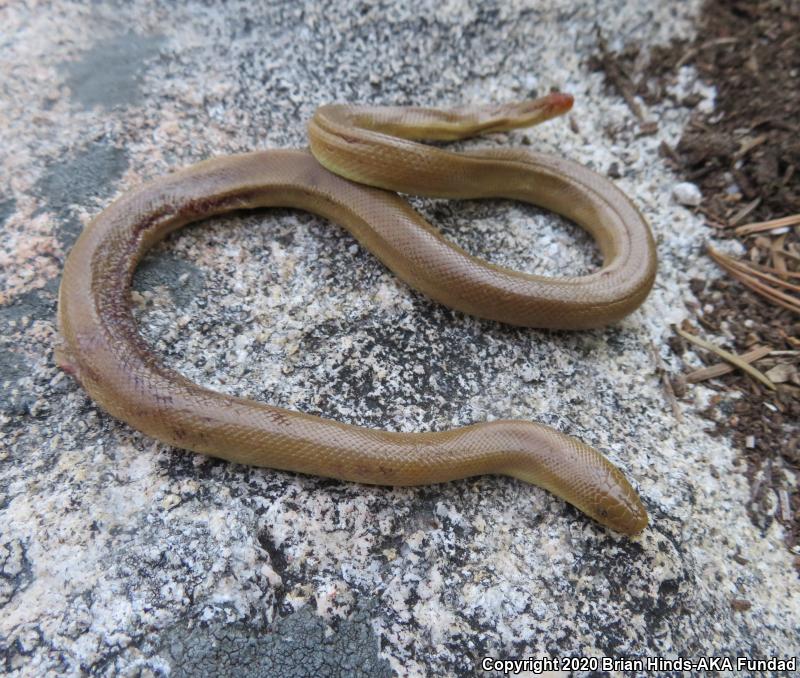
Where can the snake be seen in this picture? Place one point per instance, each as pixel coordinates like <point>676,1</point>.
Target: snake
<point>361,158</point>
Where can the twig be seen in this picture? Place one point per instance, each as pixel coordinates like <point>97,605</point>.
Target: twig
<point>661,368</point>
<point>720,369</point>
<point>618,77</point>
<point>669,152</point>
<point>691,53</point>
<point>783,502</point>
<point>726,355</point>
<point>713,216</point>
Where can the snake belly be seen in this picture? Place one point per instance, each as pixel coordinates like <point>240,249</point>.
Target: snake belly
<point>102,348</point>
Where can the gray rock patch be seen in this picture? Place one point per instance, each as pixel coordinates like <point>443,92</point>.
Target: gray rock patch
<point>74,180</point>
<point>15,318</point>
<point>7,208</point>
<point>298,646</point>
<point>110,72</point>
<point>34,305</point>
<point>13,367</point>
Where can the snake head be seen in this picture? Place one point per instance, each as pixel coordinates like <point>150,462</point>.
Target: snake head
<point>599,489</point>
<point>618,506</point>
<point>557,103</point>
<point>526,113</point>
<point>577,473</point>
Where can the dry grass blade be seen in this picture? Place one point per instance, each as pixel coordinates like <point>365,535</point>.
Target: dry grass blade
<point>761,226</point>
<point>751,277</point>
<point>726,355</point>
<point>720,369</point>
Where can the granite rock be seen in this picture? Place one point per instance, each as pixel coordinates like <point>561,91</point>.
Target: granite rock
<point>121,556</point>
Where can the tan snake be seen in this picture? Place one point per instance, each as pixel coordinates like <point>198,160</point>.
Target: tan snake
<point>101,345</point>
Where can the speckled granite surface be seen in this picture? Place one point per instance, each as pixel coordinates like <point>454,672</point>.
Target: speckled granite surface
<point>121,556</point>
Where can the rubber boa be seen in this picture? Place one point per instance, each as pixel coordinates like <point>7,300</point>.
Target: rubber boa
<point>359,158</point>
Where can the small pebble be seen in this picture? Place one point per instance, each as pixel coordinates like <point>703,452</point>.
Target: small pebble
<point>687,194</point>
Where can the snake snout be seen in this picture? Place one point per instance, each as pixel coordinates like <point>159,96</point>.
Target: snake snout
<point>559,103</point>
<point>547,107</point>
<point>622,510</point>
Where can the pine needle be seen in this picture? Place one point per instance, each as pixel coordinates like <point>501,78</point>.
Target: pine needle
<point>761,226</point>
<point>748,269</point>
<point>752,278</point>
<point>726,355</point>
<point>720,369</point>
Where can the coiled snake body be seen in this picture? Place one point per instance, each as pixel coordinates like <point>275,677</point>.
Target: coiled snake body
<point>369,145</point>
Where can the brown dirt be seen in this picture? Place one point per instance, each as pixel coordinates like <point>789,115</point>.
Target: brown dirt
<point>745,157</point>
